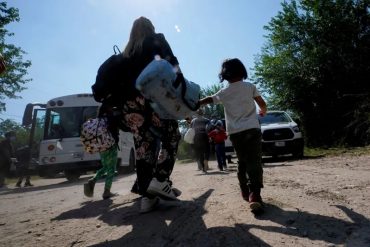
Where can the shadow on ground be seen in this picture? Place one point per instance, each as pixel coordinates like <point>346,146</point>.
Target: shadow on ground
<point>56,185</point>
<point>182,224</point>
<point>303,224</point>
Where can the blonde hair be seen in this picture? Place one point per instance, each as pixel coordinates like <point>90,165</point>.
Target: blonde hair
<point>141,28</point>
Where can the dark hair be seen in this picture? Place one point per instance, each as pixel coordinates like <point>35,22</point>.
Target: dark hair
<point>232,69</point>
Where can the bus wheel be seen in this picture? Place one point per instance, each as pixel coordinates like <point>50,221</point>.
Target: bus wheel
<point>72,175</point>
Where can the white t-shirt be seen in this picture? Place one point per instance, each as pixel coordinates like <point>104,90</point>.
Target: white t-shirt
<point>240,109</point>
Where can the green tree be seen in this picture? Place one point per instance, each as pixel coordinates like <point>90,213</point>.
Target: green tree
<point>216,110</point>
<point>316,62</point>
<point>12,81</point>
<point>21,132</point>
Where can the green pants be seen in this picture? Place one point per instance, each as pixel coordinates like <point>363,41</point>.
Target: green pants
<point>109,162</point>
<point>247,145</point>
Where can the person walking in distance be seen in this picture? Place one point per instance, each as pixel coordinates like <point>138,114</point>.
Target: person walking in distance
<point>6,153</point>
<point>201,140</point>
<point>218,136</point>
<point>243,127</point>
<point>23,155</point>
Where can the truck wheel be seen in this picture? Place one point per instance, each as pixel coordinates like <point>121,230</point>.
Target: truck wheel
<point>72,175</point>
<point>298,154</point>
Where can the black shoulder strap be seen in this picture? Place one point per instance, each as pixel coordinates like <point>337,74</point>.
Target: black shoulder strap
<point>116,50</point>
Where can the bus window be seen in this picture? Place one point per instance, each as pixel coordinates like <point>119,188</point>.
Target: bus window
<point>65,122</point>
<point>89,112</point>
<point>54,128</point>
<point>71,121</point>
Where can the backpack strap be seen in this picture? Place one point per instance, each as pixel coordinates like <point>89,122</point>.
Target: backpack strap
<point>116,50</point>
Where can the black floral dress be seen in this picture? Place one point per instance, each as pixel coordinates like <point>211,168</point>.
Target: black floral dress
<point>156,141</point>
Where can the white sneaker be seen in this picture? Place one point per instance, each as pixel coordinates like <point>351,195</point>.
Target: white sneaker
<point>161,189</point>
<point>148,204</point>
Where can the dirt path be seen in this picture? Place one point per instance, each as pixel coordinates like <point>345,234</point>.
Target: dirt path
<point>310,202</point>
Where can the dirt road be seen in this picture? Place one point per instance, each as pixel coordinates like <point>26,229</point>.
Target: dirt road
<point>309,202</point>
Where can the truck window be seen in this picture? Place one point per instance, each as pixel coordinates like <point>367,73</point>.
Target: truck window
<point>274,117</point>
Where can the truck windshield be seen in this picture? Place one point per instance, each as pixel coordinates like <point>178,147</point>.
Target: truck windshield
<point>274,117</point>
<point>65,122</point>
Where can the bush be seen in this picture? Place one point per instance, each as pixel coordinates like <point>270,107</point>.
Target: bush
<point>185,151</point>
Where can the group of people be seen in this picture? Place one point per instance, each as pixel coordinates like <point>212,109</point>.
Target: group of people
<point>156,140</point>
<point>208,134</point>
<point>21,158</point>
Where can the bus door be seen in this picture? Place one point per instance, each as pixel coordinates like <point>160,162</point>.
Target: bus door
<point>34,121</point>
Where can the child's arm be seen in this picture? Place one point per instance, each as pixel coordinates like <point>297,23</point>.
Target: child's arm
<point>262,105</point>
<point>206,100</point>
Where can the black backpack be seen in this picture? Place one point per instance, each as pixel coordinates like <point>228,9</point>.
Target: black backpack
<point>113,79</point>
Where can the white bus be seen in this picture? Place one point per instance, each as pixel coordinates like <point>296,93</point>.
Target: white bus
<point>60,148</point>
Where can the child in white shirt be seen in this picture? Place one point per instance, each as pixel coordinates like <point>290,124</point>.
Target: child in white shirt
<point>243,127</point>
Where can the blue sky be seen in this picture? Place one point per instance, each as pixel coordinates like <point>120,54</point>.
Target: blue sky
<point>67,40</point>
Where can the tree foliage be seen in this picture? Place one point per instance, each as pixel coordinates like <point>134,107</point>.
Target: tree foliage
<point>213,110</point>
<point>12,81</point>
<point>316,62</point>
<point>22,134</point>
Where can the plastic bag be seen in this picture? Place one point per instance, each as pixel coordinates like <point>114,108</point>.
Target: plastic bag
<point>189,136</point>
<point>157,82</point>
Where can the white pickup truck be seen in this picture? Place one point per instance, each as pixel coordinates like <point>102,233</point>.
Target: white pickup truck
<point>281,135</point>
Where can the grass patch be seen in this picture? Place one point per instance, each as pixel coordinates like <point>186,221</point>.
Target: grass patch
<point>337,151</point>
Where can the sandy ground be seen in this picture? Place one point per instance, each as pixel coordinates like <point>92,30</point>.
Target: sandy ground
<point>310,202</point>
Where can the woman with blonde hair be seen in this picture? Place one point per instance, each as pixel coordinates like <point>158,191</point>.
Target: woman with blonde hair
<point>141,29</point>
<point>151,134</point>
<point>144,43</point>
